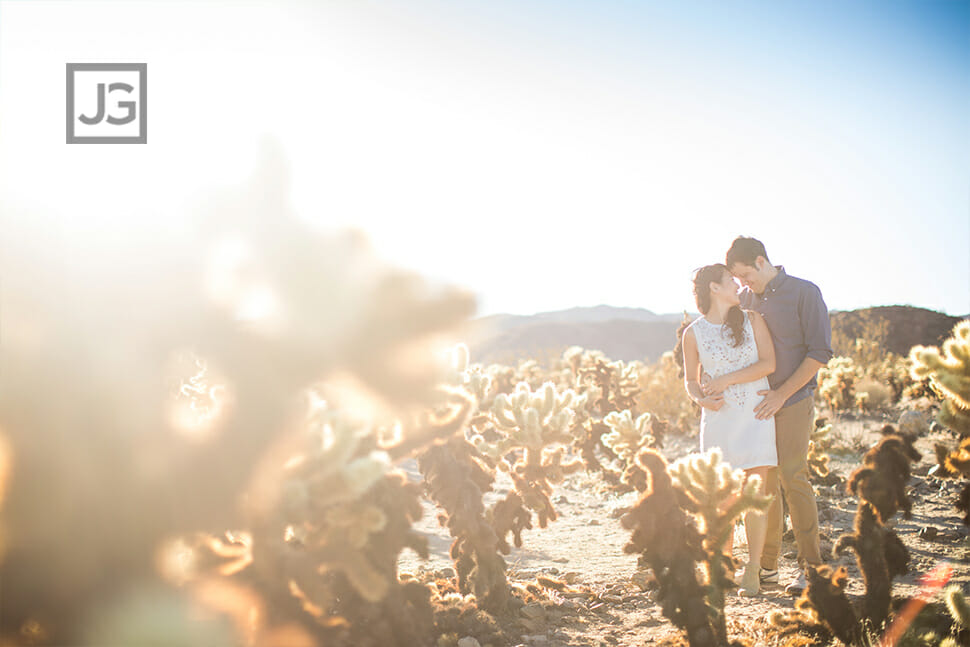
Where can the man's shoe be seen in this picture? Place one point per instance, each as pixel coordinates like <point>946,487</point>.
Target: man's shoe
<point>797,586</point>
<point>769,576</point>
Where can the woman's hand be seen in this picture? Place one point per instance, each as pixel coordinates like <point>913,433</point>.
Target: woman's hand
<point>715,386</point>
<point>712,402</point>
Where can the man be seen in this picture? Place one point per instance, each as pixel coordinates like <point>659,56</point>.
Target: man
<point>799,323</point>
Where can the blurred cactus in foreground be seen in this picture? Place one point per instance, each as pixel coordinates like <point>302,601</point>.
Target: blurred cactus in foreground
<point>666,535</point>
<point>103,467</point>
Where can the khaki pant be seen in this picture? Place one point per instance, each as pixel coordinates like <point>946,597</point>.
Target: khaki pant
<point>793,426</point>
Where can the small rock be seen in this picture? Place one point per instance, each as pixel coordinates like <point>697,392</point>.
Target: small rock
<point>618,512</point>
<point>570,577</point>
<point>552,570</point>
<point>913,422</point>
<point>447,572</point>
<point>593,522</point>
<point>533,611</point>
<point>560,560</point>
<point>562,499</point>
<point>929,533</point>
<point>531,626</point>
<point>468,641</point>
<point>642,580</point>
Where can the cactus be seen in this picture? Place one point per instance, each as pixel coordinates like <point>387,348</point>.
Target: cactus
<point>885,471</point>
<point>881,485</point>
<point>836,383</point>
<point>818,460</point>
<point>949,373</point>
<point>957,605</point>
<point>99,380</point>
<point>628,437</point>
<point>456,479</point>
<point>668,539</point>
<point>881,556</point>
<point>825,598</point>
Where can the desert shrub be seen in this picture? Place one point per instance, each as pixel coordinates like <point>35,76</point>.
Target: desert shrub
<point>872,395</point>
<point>662,393</point>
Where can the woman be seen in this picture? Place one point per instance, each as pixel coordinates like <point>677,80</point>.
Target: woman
<point>734,348</point>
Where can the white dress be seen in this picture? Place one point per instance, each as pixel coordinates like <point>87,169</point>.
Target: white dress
<point>744,440</point>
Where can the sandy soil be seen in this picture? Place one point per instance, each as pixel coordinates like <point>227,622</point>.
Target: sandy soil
<point>606,606</point>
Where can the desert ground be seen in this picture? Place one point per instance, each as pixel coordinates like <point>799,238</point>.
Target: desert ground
<point>607,601</point>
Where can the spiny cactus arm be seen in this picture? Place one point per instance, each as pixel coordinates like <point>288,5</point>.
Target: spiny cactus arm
<point>957,605</point>
<point>457,406</point>
<point>750,497</point>
<point>844,543</point>
<point>825,594</point>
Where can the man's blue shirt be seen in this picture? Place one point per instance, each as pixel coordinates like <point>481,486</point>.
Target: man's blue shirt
<point>799,323</point>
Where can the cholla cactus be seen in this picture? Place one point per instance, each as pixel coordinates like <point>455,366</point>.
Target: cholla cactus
<point>628,437</point>
<point>818,460</point>
<point>533,420</point>
<point>824,600</point>
<point>254,292</point>
<point>949,373</point>
<point>885,471</point>
<point>957,605</point>
<point>539,424</point>
<point>456,479</point>
<point>472,378</point>
<point>668,539</point>
<point>709,484</point>
<point>618,381</point>
<point>836,383</point>
<point>880,484</point>
<point>881,556</point>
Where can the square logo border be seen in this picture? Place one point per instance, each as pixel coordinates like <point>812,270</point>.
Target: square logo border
<point>142,69</point>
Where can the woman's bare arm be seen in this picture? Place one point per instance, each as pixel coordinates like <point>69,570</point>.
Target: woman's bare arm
<point>692,367</point>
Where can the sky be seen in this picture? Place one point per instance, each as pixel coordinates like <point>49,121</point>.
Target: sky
<point>544,155</point>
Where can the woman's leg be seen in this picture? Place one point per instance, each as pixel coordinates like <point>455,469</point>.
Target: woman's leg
<point>754,528</point>
<point>754,520</point>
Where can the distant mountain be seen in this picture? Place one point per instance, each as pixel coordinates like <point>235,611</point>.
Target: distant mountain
<point>637,334</point>
<point>906,326</point>
<point>620,333</point>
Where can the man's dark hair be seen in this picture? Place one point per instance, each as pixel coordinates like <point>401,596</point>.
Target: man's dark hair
<point>745,250</point>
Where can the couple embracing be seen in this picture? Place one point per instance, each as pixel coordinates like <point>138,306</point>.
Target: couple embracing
<point>750,361</point>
